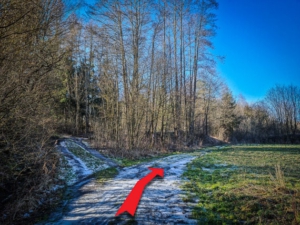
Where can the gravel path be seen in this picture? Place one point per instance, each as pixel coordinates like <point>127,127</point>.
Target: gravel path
<point>161,202</point>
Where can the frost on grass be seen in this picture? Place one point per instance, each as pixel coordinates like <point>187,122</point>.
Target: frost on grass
<point>67,171</point>
<point>91,162</point>
<point>161,202</point>
<point>77,162</point>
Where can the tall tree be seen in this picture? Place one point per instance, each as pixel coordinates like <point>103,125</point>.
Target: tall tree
<point>283,103</point>
<point>228,118</point>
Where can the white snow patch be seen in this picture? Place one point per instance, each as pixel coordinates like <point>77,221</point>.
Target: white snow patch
<point>56,187</point>
<point>162,197</point>
<point>86,144</point>
<point>221,165</point>
<point>82,167</point>
<point>207,169</point>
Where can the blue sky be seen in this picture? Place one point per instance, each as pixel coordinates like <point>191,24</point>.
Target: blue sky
<point>260,40</point>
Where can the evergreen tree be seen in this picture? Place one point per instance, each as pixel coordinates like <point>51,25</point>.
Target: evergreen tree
<point>228,118</point>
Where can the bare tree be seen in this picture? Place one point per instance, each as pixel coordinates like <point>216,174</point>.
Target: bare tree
<point>31,33</point>
<point>283,104</point>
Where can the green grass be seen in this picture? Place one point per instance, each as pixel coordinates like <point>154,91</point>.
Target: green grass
<point>131,162</point>
<point>246,185</point>
<point>106,174</point>
<point>66,172</point>
<point>91,161</point>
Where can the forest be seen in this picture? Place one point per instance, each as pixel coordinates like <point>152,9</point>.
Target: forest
<point>136,76</point>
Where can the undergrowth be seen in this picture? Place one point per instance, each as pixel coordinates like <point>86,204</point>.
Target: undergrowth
<point>246,185</point>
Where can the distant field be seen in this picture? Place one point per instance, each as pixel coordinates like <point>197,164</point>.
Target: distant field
<point>246,185</point>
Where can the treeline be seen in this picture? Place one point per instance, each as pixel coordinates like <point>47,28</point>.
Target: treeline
<point>275,119</point>
<point>139,75</point>
<point>133,72</point>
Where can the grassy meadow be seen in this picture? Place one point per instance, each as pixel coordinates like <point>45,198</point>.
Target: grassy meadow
<point>256,184</point>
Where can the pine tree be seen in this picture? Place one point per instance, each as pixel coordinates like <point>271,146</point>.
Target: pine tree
<point>228,119</point>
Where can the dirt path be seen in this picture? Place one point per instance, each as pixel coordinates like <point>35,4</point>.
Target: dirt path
<point>161,202</point>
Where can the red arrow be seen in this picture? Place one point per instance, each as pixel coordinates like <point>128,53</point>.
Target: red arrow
<point>131,202</point>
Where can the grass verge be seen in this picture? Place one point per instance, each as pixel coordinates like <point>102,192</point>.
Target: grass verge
<point>246,185</point>
<point>90,161</point>
<point>103,175</point>
<point>124,162</point>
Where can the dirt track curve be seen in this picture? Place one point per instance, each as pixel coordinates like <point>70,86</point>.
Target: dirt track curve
<point>161,202</point>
